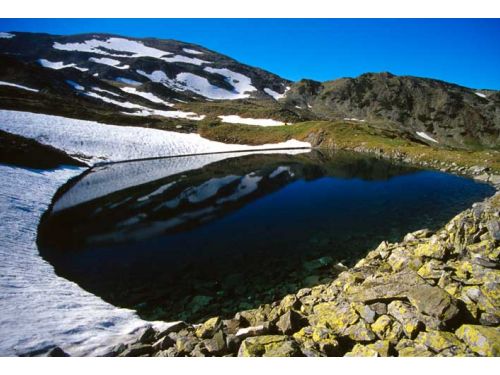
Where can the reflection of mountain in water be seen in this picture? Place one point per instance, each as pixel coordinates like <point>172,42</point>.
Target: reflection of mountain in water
<point>185,200</point>
<point>193,237</point>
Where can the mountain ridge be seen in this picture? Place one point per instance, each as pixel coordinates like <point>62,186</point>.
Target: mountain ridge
<point>172,84</point>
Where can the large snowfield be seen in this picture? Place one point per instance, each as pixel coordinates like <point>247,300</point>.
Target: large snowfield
<point>38,309</point>
<point>94,142</point>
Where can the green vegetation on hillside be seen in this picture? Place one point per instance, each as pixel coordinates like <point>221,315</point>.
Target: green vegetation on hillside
<point>351,136</point>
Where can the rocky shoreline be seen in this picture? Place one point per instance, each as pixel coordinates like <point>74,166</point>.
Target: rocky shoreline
<point>433,294</point>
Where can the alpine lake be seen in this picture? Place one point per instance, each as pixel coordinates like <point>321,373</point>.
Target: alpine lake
<point>188,238</point>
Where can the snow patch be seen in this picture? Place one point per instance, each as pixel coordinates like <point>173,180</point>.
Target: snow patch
<point>105,91</point>
<point>147,95</point>
<point>172,114</point>
<point>241,83</point>
<point>6,35</point>
<point>59,65</point>
<point>192,51</point>
<point>353,119</point>
<point>427,137</point>
<point>97,141</point>
<point>115,102</point>
<point>201,86</point>
<point>145,111</point>
<point>185,59</point>
<point>116,45</point>
<point>110,62</point>
<point>75,85</point>
<point>235,119</point>
<point>274,94</point>
<point>480,94</point>
<point>3,83</point>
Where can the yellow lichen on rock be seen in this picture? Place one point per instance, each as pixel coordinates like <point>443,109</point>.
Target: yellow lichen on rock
<point>482,340</point>
<point>268,346</point>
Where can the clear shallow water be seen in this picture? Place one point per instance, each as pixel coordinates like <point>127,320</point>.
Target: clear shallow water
<point>238,232</point>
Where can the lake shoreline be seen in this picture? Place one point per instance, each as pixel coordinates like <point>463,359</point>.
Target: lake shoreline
<point>431,294</point>
<point>424,303</point>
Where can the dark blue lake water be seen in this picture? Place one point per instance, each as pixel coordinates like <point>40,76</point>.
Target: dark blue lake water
<point>184,239</point>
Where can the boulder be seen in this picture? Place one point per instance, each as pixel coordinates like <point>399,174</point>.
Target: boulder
<point>482,340</point>
<point>217,344</point>
<point>429,300</point>
<point>405,314</point>
<point>148,336</point>
<point>290,322</point>
<point>163,344</point>
<point>431,249</point>
<point>438,341</point>
<point>137,350</point>
<point>173,328</point>
<point>377,349</point>
<point>209,328</point>
<point>360,332</point>
<point>269,346</point>
<point>338,316</point>
<point>57,352</point>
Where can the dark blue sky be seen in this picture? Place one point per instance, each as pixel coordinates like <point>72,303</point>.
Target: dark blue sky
<point>463,51</point>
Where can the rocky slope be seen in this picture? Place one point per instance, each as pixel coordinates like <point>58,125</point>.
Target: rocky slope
<point>176,85</point>
<point>433,294</point>
<point>139,77</point>
<point>432,111</point>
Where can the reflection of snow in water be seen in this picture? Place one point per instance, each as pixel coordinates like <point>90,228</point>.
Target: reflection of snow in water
<point>39,309</point>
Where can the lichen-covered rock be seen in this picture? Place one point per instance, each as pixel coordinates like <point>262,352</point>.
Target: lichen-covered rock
<point>365,311</point>
<point>361,351</point>
<point>254,317</point>
<point>209,328</point>
<point>401,258</point>
<point>318,339</point>
<point>377,349</point>
<point>290,322</point>
<point>438,341</point>
<point>415,351</point>
<point>338,316</point>
<point>217,344</point>
<point>431,249</point>
<point>360,332</point>
<point>405,314</point>
<point>434,302</point>
<point>387,329</point>
<point>269,346</point>
<point>432,269</point>
<point>185,344</point>
<point>484,341</point>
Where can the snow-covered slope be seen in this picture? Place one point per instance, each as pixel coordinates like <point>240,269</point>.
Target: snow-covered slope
<point>93,141</point>
<point>39,309</point>
<point>194,71</point>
